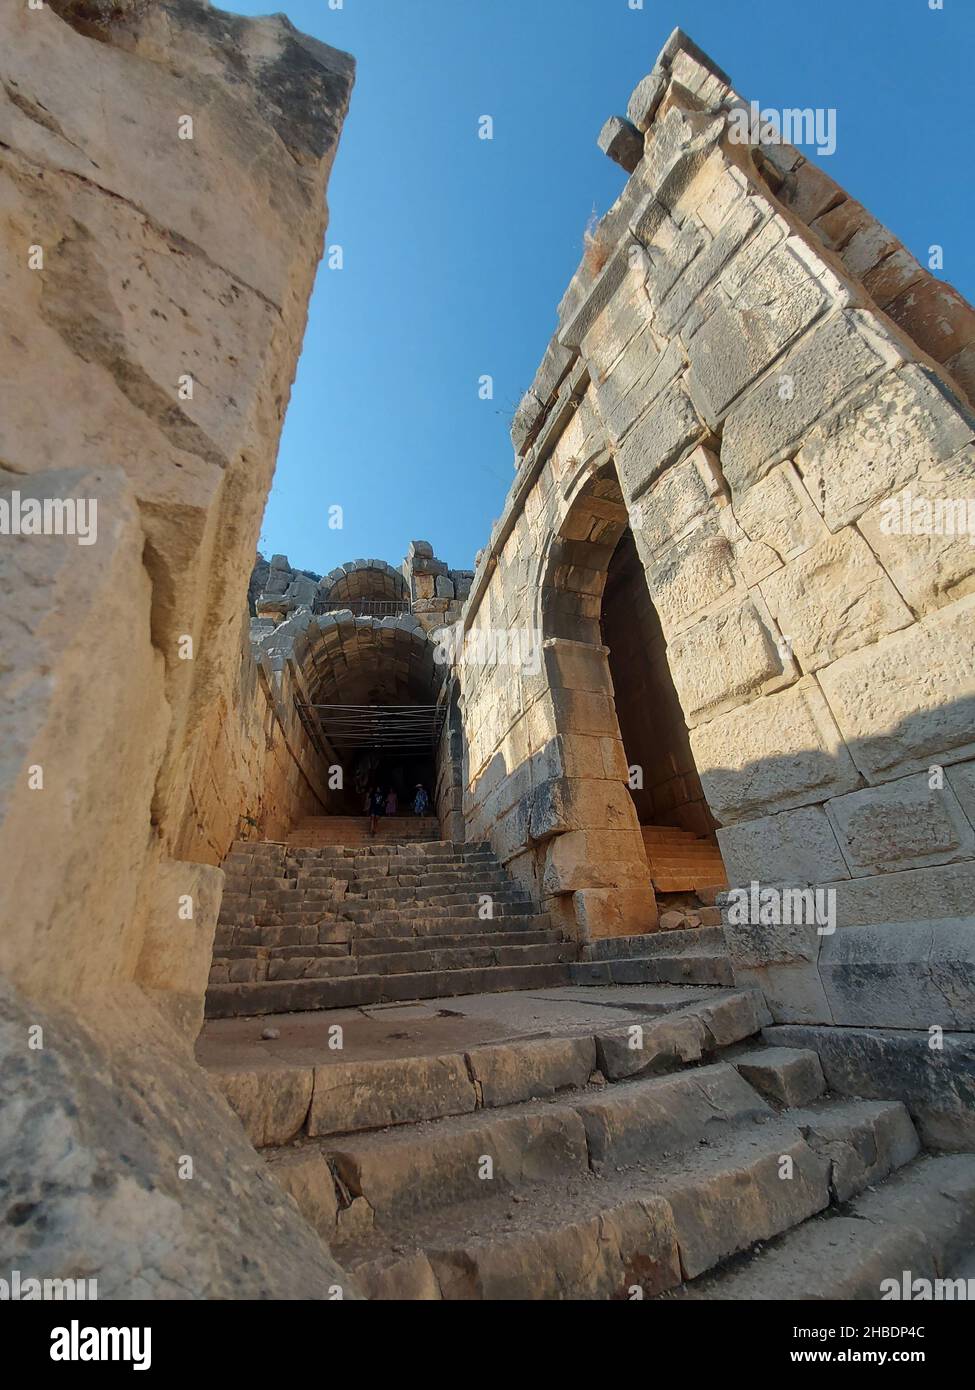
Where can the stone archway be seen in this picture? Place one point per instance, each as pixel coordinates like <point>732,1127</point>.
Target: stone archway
<point>370,697</point>
<point>584,820</point>
<point>367,588</point>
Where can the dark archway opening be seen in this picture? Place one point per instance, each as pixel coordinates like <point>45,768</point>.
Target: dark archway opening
<point>678,827</point>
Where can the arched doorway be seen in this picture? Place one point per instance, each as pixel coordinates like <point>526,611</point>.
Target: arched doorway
<point>632,810</point>
<point>372,705</point>
<point>676,822</point>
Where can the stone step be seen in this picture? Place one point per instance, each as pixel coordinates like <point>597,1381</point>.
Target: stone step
<point>922,1221</point>
<point>710,940</point>
<point>327,929</point>
<point>671,968</point>
<point>405,1173</point>
<point>688,882</point>
<point>550,1227</point>
<point>299,996</point>
<point>347,1096</point>
<point>327,967</point>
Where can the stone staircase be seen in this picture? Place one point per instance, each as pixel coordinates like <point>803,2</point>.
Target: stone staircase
<point>681,862</point>
<point>334,926</point>
<point>318,832</point>
<point>671,1154</point>
<point>321,928</point>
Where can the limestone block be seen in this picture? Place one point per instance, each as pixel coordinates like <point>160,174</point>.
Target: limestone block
<point>656,1045</point>
<point>913,895</point>
<point>691,577</point>
<point>778,521</point>
<point>901,974</point>
<point>658,438</point>
<point>673,504</point>
<point>894,725</point>
<point>741,339</point>
<point>936,316</point>
<point>881,1139</point>
<point>305,1175</point>
<point>886,280</point>
<point>72,849</point>
<point>923,535</point>
<point>177,949</point>
<point>794,847</point>
<point>67,1114</point>
<point>595,859</point>
<point>568,804</point>
<point>622,142</point>
<point>726,659</point>
<point>602,912</point>
<point>511,1072</point>
<point>577,665</point>
<point>272,1105</point>
<point>833,599</point>
<point>787,1075</point>
<point>646,97</point>
<point>902,825</point>
<point>882,438</point>
<point>692,300</point>
<point>764,427</point>
<point>937,1085</point>
<point>782,751</point>
<point>350,1096</point>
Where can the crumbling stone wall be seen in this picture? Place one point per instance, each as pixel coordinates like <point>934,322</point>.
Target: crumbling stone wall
<point>162,180</point>
<point>765,377</point>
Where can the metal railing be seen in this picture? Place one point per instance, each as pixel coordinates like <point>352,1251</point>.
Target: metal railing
<point>368,607</point>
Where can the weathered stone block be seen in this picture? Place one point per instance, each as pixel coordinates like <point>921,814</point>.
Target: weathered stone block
<point>777,515</point>
<point>902,825</point>
<point>763,428</point>
<point>904,974</point>
<point>727,659</point>
<point>783,751</point>
<point>513,1072</point>
<point>740,340</point>
<point>936,1084</point>
<point>834,599</point>
<point>894,725</point>
<point>794,847</point>
<point>657,439</point>
<point>787,1075</point>
<point>923,534</point>
<point>885,436</point>
<point>690,577</point>
<point>622,142</point>
<point>646,97</point>
<point>272,1105</point>
<point>351,1096</point>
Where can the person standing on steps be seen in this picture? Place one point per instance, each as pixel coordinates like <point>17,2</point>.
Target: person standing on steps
<point>377,806</point>
<point>392,802</point>
<point>421,802</point>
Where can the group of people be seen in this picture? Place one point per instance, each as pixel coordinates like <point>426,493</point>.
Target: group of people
<point>383,802</point>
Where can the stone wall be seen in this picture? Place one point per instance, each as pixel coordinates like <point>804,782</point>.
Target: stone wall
<point>162,179</point>
<point>754,377</point>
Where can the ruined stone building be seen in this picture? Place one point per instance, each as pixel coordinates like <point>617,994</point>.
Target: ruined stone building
<point>697,872</point>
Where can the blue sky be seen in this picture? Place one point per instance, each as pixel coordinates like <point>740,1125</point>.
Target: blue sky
<point>457,250</point>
